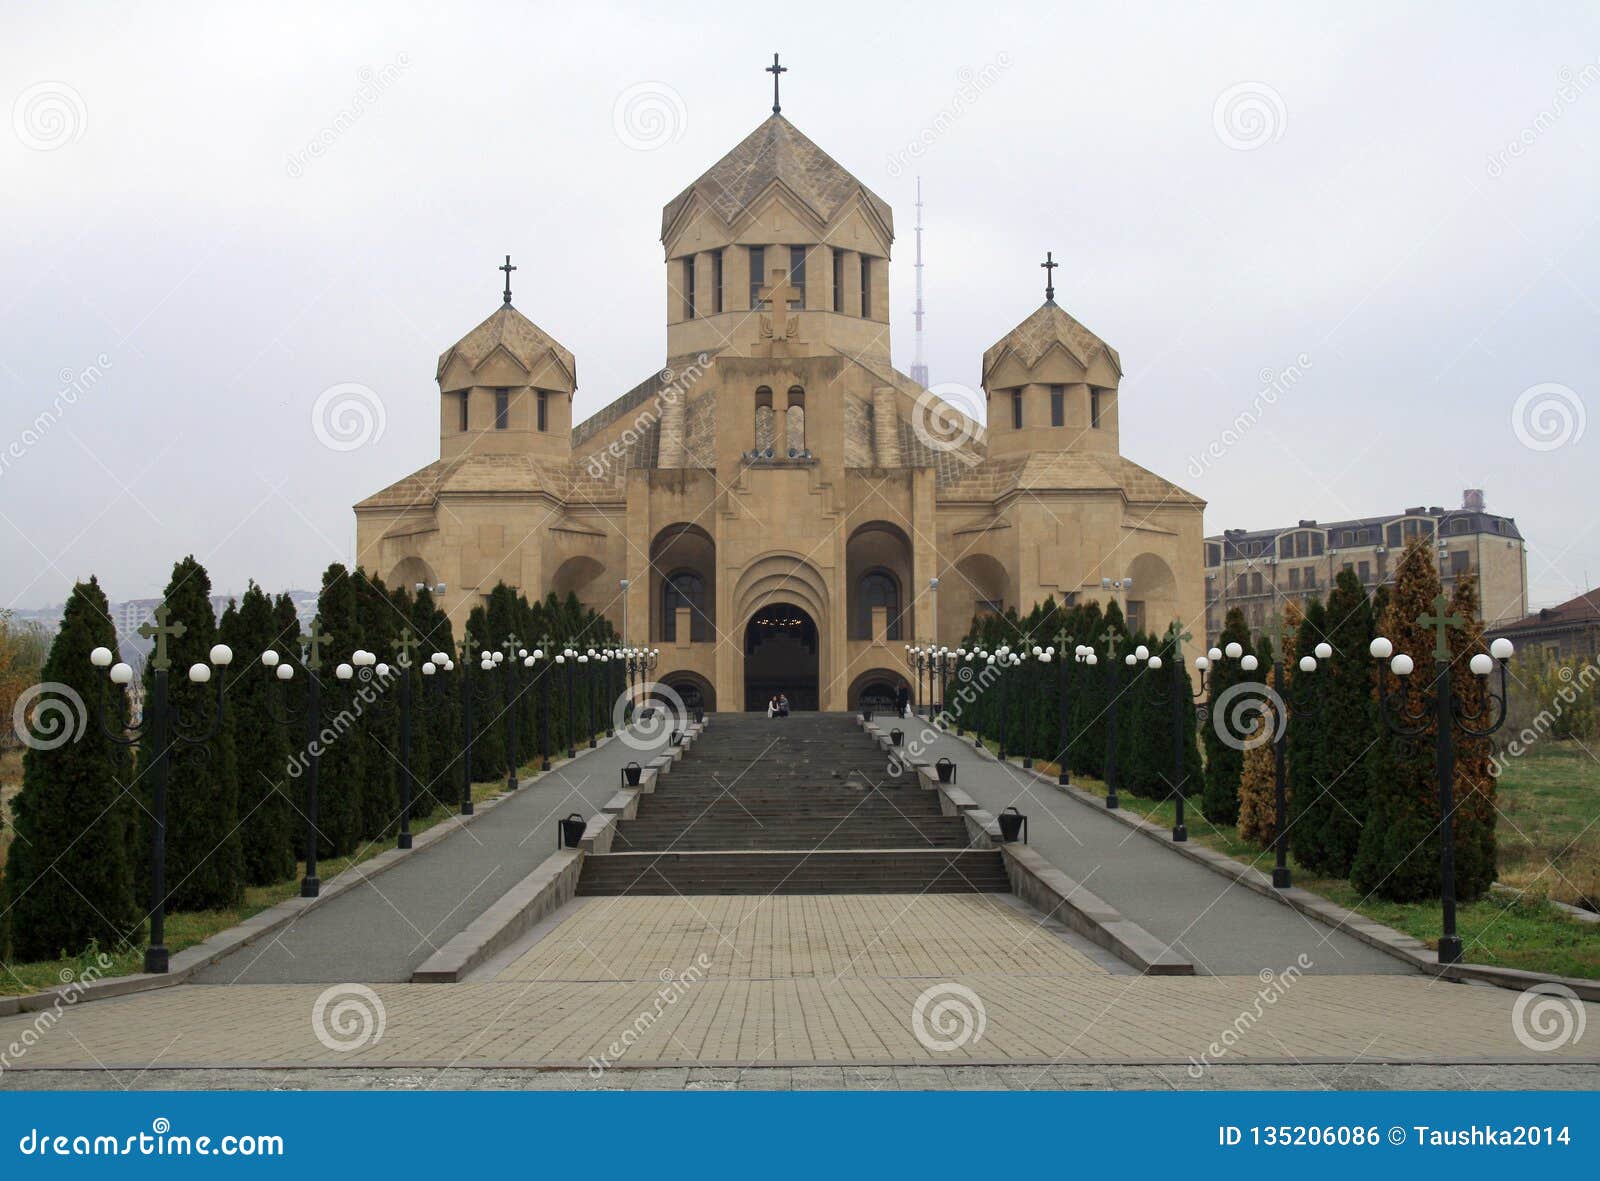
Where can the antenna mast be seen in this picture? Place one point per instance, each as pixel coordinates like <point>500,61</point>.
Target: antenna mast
<point>919,367</point>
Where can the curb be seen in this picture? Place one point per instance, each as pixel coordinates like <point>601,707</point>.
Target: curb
<point>1384,938</point>
<point>1047,888</point>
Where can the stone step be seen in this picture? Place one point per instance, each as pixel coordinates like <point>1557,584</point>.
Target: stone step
<point>795,872</point>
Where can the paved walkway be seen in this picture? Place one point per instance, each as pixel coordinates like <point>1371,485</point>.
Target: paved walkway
<point>383,929</point>
<point>1361,1076</point>
<point>1222,927</point>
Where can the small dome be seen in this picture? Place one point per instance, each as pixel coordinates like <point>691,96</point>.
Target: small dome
<point>1030,340</point>
<point>525,341</point>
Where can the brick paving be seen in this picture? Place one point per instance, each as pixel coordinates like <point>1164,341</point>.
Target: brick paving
<point>928,935</point>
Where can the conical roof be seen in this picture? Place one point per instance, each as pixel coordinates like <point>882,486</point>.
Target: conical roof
<point>776,151</point>
<point>1049,325</point>
<point>521,337</point>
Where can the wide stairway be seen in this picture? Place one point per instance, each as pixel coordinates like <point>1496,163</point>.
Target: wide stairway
<point>797,805</point>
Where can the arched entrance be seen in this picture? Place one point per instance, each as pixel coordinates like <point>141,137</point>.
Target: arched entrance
<point>780,656</point>
<point>695,690</point>
<point>876,689</point>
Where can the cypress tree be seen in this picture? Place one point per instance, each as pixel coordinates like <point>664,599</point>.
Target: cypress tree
<point>1224,761</point>
<point>1328,815</point>
<point>1258,771</point>
<point>1397,856</point>
<point>1303,631</point>
<point>1475,813</point>
<point>70,875</point>
<point>438,707</point>
<point>205,852</point>
<point>266,817</point>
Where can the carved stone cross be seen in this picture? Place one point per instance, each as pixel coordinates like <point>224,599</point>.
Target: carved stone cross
<point>406,645</point>
<point>1441,624</point>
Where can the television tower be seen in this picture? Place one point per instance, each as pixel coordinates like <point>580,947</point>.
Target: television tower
<point>919,367</point>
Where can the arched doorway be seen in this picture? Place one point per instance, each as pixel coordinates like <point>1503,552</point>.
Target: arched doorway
<point>695,690</point>
<point>876,689</point>
<point>780,656</point>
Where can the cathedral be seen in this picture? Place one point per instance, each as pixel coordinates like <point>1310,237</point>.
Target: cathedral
<point>779,508</point>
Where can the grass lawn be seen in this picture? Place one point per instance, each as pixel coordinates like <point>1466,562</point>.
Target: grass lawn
<point>187,929</point>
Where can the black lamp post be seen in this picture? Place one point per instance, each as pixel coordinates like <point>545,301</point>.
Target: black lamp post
<point>570,658</point>
<point>1173,698</point>
<point>1406,711</point>
<point>308,715</point>
<point>467,690</point>
<point>163,725</point>
<point>608,683</point>
<point>362,660</point>
<point>514,654</point>
<point>546,652</point>
<point>1117,678</point>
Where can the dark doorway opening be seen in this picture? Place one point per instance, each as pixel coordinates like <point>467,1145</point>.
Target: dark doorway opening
<point>780,656</point>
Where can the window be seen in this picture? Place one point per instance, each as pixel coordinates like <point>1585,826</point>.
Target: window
<point>1347,537</point>
<point>1316,545</point>
<point>1294,578</point>
<point>1058,405</point>
<point>1255,583</point>
<point>684,589</point>
<point>1394,536</point>
<point>1364,571</point>
<point>502,409</point>
<point>1460,561</point>
<point>866,287</point>
<point>758,265</point>
<point>797,276</point>
<point>464,395</point>
<point>838,280</point>
<point>1460,525</point>
<point>795,426</point>
<point>1242,586</point>
<point>1213,554</point>
<point>716,281</point>
<point>1311,578</point>
<point>1016,410</point>
<point>877,588</point>
<point>1094,408</point>
<point>688,288</point>
<point>544,411</point>
<point>766,423</point>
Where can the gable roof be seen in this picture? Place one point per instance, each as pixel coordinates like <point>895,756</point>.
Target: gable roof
<point>776,151</point>
<point>509,329</point>
<point>1050,324</point>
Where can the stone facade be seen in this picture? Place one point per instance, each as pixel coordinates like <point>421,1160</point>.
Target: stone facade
<point>779,498</point>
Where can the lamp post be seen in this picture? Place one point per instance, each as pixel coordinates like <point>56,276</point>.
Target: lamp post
<point>586,660</point>
<point>310,715</point>
<point>162,724</point>
<point>514,653</point>
<point>468,645</point>
<point>569,658</point>
<point>1411,722</point>
<point>608,675</point>
<point>364,660</point>
<point>1173,697</point>
<point>546,651</point>
<point>1115,675</point>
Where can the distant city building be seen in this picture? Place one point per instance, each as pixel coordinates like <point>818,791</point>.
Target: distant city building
<point>1258,569</point>
<point>1571,629</point>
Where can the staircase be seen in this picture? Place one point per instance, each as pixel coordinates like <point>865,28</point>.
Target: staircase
<point>797,805</point>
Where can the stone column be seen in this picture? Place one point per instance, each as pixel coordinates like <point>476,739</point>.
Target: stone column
<point>735,295</point>
<point>705,294</point>
<point>819,278</point>
<point>850,275</point>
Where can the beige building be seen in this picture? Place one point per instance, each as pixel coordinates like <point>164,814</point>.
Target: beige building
<point>786,508</point>
<point>1253,569</point>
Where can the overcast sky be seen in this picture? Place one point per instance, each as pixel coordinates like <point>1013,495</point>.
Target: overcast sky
<point>215,213</point>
